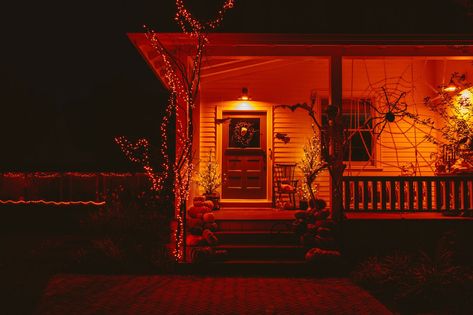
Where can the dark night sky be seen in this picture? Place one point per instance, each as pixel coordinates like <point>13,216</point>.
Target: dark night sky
<point>71,80</point>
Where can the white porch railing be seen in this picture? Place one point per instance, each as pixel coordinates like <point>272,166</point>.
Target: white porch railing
<point>408,193</point>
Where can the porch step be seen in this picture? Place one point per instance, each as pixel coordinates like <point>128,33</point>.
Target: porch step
<point>257,237</point>
<point>278,268</point>
<point>265,262</point>
<point>270,226</point>
<point>263,267</point>
<point>246,204</point>
<point>264,252</point>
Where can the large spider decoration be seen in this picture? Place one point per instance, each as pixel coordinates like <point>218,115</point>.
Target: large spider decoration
<point>387,110</point>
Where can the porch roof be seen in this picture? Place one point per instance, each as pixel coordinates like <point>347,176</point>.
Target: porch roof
<point>251,44</point>
<point>258,45</point>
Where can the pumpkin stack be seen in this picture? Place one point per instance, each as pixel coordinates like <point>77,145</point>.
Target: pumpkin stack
<point>317,232</point>
<point>200,230</point>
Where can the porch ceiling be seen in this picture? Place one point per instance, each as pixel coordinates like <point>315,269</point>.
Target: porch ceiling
<point>229,53</point>
<point>216,67</point>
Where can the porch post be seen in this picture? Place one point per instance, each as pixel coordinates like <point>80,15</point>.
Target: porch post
<point>336,136</point>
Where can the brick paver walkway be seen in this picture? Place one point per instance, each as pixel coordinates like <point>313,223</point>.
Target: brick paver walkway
<point>183,294</point>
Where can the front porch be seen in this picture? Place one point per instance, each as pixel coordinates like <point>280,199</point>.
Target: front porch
<point>258,214</point>
<point>257,238</point>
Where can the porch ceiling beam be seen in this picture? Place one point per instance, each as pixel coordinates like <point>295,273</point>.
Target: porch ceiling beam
<point>285,62</point>
<point>314,39</point>
<point>345,50</point>
<point>230,44</point>
<point>208,75</point>
<point>225,63</point>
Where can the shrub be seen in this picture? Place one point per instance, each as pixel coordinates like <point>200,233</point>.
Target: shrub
<point>419,282</point>
<point>130,233</point>
<point>131,230</point>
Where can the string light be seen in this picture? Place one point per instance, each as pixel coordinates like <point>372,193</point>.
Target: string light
<point>29,178</point>
<point>139,153</point>
<point>189,24</point>
<point>62,174</point>
<point>53,203</point>
<point>183,86</point>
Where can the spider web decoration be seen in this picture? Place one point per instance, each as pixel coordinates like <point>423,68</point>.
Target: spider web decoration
<point>392,116</point>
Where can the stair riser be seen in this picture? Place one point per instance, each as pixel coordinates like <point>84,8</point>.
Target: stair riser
<point>255,225</point>
<point>265,253</point>
<point>248,238</point>
<point>270,269</point>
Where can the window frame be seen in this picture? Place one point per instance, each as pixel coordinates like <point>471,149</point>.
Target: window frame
<point>372,162</point>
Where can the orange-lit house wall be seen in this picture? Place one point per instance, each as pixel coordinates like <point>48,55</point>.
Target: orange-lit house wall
<point>397,144</point>
<point>290,80</point>
<point>287,80</point>
<point>403,142</point>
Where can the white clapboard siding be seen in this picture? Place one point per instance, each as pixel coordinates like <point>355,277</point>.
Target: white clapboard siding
<point>286,81</point>
<point>297,125</point>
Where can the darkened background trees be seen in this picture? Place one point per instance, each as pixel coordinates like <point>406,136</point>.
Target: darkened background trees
<point>71,80</point>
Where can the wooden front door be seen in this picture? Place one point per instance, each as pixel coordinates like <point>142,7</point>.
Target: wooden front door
<point>244,155</point>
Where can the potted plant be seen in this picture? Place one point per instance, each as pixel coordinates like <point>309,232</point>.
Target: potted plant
<point>304,195</point>
<point>209,179</point>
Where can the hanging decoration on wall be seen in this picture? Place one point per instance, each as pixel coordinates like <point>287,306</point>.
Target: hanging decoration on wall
<point>283,137</point>
<point>244,133</point>
<point>182,82</point>
<point>219,121</point>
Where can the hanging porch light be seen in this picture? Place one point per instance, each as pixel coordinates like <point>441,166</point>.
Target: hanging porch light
<point>244,94</point>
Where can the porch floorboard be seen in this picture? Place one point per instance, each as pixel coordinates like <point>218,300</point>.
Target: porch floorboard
<point>253,214</point>
<point>402,216</point>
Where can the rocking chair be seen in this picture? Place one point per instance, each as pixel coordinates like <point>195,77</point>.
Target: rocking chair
<point>284,182</point>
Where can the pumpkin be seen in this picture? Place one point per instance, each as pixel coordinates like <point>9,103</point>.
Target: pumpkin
<point>193,222</point>
<point>199,198</point>
<point>322,215</point>
<point>211,226</point>
<point>195,212</point>
<point>209,204</point>
<point>209,237</point>
<point>199,203</point>
<point>318,255</point>
<point>194,240</point>
<point>208,217</point>
<point>201,254</point>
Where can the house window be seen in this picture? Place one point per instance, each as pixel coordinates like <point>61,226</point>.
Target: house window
<point>356,116</point>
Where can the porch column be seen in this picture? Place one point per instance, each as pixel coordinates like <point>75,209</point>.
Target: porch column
<point>336,136</point>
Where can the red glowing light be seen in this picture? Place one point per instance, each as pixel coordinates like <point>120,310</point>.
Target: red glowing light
<point>450,88</point>
<point>54,203</point>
